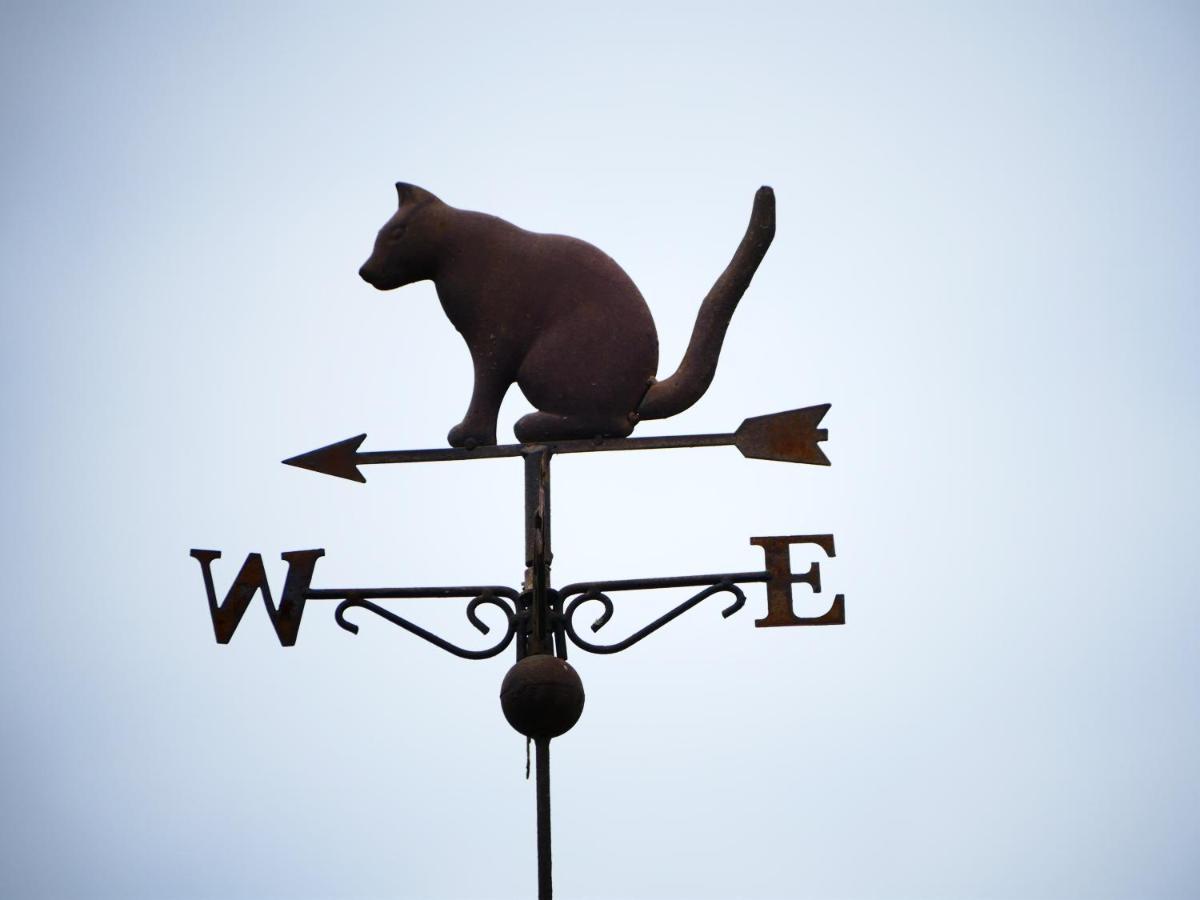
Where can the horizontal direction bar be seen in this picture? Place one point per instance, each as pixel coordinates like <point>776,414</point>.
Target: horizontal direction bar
<point>414,593</point>
<point>622,584</point>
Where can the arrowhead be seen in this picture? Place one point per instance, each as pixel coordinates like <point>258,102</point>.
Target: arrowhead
<point>338,459</point>
<point>790,436</point>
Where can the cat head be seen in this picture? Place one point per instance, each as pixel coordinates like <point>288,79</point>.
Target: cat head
<point>406,246</point>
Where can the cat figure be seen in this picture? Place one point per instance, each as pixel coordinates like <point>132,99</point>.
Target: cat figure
<point>555,315</point>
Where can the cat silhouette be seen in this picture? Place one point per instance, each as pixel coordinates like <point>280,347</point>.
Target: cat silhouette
<point>555,315</point>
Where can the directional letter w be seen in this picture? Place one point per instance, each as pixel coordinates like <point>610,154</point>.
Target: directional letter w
<point>250,580</point>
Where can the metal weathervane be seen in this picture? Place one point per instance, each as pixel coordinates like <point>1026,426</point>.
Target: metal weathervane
<point>562,320</point>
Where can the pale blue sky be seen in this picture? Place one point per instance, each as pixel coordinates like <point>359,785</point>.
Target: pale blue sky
<point>986,261</point>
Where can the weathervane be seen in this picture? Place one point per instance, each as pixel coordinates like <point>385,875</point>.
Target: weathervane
<point>565,323</point>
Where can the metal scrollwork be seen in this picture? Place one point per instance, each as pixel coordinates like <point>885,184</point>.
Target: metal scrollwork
<point>492,597</point>
<point>588,593</point>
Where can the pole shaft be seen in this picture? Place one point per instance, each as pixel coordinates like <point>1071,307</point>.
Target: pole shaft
<point>537,545</point>
<point>537,582</point>
<point>545,889</point>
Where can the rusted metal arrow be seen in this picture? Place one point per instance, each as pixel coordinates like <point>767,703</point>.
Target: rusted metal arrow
<point>791,436</point>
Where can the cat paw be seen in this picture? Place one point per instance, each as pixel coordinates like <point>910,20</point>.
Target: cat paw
<point>462,435</point>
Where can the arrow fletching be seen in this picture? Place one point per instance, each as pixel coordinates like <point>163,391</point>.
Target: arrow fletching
<point>340,459</point>
<point>791,436</point>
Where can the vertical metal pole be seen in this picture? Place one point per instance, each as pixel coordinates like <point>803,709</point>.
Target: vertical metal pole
<point>537,544</point>
<point>537,582</point>
<point>545,889</point>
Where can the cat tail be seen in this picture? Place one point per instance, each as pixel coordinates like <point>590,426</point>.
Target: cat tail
<point>695,373</point>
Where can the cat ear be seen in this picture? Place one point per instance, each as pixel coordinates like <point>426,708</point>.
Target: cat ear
<point>410,193</point>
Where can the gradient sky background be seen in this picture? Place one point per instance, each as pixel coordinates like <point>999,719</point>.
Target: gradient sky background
<point>986,261</point>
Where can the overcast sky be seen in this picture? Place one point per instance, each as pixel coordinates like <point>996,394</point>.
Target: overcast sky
<point>986,261</point>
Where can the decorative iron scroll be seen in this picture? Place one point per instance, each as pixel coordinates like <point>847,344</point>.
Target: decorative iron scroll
<point>597,591</point>
<point>564,605</point>
<point>491,596</point>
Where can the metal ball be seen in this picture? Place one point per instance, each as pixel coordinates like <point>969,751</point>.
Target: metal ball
<point>542,696</point>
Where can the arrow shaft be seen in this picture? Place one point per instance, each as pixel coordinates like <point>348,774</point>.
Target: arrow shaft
<point>791,436</point>
<point>647,443</point>
<point>377,457</point>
